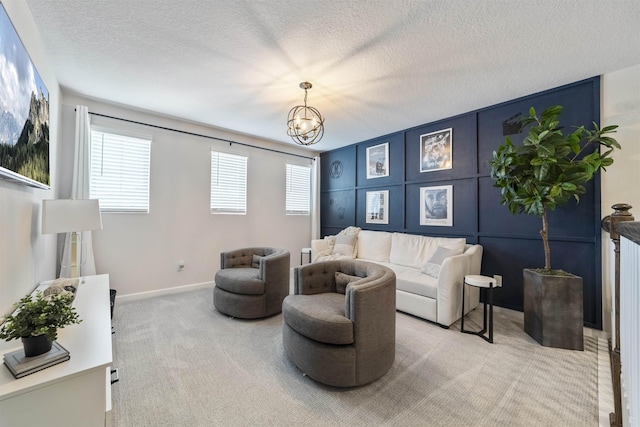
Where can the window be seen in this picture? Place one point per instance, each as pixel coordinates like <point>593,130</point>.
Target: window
<point>119,172</point>
<point>298,190</point>
<point>228,183</point>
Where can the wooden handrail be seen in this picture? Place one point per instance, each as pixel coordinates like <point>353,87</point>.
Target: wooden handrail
<point>609,224</point>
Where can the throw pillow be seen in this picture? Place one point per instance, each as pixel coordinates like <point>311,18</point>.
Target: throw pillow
<point>331,241</point>
<point>432,266</point>
<point>345,245</point>
<point>349,231</point>
<point>342,280</point>
<point>431,269</point>
<point>255,263</point>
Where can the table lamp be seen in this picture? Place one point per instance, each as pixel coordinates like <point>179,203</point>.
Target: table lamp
<point>71,216</point>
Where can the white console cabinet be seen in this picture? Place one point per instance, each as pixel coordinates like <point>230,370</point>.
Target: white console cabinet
<point>72,393</point>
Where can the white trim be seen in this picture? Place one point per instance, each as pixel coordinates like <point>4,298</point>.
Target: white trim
<point>165,291</point>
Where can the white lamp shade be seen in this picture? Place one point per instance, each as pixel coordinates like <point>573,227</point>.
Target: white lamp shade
<point>69,215</point>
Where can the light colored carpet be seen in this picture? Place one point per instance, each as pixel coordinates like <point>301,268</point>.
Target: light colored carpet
<point>182,363</point>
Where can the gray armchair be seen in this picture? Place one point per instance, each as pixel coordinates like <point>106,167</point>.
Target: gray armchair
<point>252,282</point>
<point>340,324</point>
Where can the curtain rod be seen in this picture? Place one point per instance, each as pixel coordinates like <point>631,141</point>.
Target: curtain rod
<point>201,135</point>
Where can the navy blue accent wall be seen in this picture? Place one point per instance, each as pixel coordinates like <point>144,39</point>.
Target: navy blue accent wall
<point>510,242</point>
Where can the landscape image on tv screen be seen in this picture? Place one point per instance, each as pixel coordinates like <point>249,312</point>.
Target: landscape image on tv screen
<point>24,112</point>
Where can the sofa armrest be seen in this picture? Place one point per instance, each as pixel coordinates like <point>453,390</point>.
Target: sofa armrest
<point>449,293</point>
<point>475,251</point>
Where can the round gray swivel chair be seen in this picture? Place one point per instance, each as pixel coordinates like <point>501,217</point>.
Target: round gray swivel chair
<point>340,324</point>
<point>252,282</point>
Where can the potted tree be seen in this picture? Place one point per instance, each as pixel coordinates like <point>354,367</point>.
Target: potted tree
<point>547,170</point>
<point>36,320</point>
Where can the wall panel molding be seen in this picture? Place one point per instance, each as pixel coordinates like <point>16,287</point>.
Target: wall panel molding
<point>511,242</point>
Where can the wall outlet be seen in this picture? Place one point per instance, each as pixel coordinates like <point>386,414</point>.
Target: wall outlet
<point>180,265</point>
<point>498,280</point>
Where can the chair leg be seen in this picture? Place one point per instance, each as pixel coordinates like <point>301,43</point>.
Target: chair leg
<point>490,296</point>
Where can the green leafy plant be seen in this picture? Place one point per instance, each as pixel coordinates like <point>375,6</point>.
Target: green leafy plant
<point>549,168</point>
<point>39,315</point>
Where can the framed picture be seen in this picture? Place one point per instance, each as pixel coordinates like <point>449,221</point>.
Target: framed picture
<point>436,150</point>
<point>436,205</point>
<point>24,122</point>
<point>378,207</point>
<point>378,161</point>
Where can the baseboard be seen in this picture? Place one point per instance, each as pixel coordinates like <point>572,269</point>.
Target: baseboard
<point>157,292</point>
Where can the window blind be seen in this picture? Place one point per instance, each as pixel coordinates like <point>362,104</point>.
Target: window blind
<point>119,176</point>
<point>228,183</point>
<point>298,200</point>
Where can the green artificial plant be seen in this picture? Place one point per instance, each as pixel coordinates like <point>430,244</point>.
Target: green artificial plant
<point>39,315</point>
<point>549,168</point>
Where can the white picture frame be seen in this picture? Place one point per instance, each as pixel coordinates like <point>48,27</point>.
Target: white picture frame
<point>377,207</point>
<point>436,150</point>
<point>436,206</point>
<point>378,161</point>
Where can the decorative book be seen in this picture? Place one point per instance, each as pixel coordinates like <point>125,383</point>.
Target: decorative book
<point>20,365</point>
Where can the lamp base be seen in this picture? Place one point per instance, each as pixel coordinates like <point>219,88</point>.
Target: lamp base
<point>74,255</point>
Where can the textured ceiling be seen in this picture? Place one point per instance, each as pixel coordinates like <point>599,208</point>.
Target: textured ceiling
<point>376,67</point>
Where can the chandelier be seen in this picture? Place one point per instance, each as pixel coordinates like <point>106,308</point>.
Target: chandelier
<point>305,124</point>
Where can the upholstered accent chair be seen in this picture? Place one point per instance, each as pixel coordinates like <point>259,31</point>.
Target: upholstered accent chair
<point>339,326</point>
<point>252,282</point>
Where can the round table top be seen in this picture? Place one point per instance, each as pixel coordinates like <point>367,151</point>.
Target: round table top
<point>480,281</point>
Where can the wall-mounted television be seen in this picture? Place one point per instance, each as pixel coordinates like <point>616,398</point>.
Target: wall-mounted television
<point>24,112</point>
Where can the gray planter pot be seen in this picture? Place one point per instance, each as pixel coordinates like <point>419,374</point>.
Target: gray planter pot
<point>36,345</point>
<point>553,310</point>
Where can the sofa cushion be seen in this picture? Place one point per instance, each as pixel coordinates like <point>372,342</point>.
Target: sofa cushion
<point>413,281</point>
<point>244,281</point>
<point>413,250</point>
<point>409,250</point>
<point>374,245</point>
<point>342,280</point>
<point>319,317</point>
<point>345,245</point>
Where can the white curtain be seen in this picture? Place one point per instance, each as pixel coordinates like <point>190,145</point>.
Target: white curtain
<point>315,199</point>
<point>80,190</point>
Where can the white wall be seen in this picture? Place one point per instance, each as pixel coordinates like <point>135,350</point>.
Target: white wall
<point>621,183</point>
<point>140,251</point>
<point>26,256</point>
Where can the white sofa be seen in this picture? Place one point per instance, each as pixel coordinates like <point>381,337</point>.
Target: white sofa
<point>423,288</point>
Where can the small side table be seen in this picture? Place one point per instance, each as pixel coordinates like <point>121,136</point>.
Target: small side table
<point>488,283</point>
<point>305,251</point>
